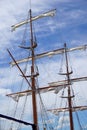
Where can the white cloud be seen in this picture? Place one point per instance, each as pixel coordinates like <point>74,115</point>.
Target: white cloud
<point>64,119</point>
<point>4,91</point>
<point>63,122</point>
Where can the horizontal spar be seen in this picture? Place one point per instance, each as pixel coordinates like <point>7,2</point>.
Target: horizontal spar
<point>52,87</point>
<point>46,14</point>
<point>50,53</point>
<point>77,108</point>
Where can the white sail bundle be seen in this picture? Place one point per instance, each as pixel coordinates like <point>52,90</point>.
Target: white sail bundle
<point>49,13</point>
<point>50,53</point>
<point>64,82</point>
<point>54,86</point>
<point>78,108</point>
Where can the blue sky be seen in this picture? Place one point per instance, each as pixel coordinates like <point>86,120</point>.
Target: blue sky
<point>68,25</point>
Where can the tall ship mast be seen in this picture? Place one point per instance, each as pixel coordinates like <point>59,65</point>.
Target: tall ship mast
<point>31,76</point>
<point>69,90</point>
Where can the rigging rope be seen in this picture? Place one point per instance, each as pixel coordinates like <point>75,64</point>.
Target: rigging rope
<point>30,3</point>
<point>18,99</point>
<point>59,113</point>
<point>25,31</point>
<point>63,118</point>
<point>43,110</point>
<point>61,64</point>
<point>22,113</point>
<point>78,118</point>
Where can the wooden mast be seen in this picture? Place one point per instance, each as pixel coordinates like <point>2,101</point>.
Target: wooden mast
<point>32,76</point>
<point>69,91</point>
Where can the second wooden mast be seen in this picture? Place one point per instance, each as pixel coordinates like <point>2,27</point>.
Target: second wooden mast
<point>69,90</point>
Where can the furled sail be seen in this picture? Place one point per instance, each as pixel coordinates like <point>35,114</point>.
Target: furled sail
<point>54,86</point>
<point>65,81</point>
<point>77,108</point>
<point>50,53</point>
<point>49,13</point>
